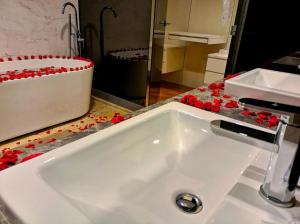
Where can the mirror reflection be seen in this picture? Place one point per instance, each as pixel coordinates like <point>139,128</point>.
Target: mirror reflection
<point>147,51</point>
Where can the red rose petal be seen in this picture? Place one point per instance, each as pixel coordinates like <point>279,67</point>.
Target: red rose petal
<point>265,113</point>
<point>216,92</point>
<point>213,86</point>
<point>220,85</point>
<point>17,151</point>
<point>117,119</point>
<point>202,89</point>
<point>215,108</point>
<point>231,104</point>
<point>51,140</point>
<point>230,76</point>
<point>259,121</point>
<point>207,106</point>
<point>248,113</point>
<point>31,156</point>
<point>30,146</point>
<point>262,116</point>
<point>3,166</point>
<point>226,96</point>
<point>272,121</point>
<point>218,101</point>
<point>4,150</point>
<point>189,99</point>
<point>199,104</point>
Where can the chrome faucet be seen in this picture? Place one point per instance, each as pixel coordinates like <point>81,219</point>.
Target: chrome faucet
<point>79,39</point>
<point>283,170</point>
<point>284,166</point>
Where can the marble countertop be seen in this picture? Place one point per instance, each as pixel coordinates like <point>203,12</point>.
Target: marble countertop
<point>206,95</point>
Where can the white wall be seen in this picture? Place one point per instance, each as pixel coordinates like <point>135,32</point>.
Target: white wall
<point>178,14</point>
<point>33,27</point>
<point>206,17</point>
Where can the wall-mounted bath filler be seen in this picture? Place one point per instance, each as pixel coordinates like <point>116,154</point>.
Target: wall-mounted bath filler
<point>102,28</point>
<point>77,39</point>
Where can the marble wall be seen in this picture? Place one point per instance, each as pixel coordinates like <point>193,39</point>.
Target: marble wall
<point>33,27</point>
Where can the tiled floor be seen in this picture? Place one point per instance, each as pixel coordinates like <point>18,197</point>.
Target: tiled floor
<point>101,111</point>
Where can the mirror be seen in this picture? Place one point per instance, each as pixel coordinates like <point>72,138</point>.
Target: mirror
<point>266,37</point>
<point>190,45</point>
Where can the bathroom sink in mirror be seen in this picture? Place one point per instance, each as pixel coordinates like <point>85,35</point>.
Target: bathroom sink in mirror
<point>132,172</point>
<point>267,85</point>
<point>288,60</point>
<point>287,64</point>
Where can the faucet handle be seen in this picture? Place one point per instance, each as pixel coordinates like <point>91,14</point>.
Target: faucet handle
<point>291,110</point>
<point>269,105</point>
<point>284,121</point>
<point>80,41</point>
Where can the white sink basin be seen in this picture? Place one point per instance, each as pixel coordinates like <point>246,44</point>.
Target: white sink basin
<point>132,172</point>
<point>267,85</point>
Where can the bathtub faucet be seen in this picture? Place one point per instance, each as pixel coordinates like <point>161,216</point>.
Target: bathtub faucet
<point>79,40</point>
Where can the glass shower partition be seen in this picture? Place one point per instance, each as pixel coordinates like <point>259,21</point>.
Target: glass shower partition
<point>117,39</point>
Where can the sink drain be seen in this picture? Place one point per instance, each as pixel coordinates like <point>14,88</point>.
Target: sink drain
<point>189,203</point>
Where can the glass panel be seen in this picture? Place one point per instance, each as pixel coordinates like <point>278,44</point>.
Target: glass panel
<point>117,39</point>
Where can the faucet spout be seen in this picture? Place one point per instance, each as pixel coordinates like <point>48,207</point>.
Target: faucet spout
<point>78,33</point>
<point>106,8</point>
<point>109,8</point>
<point>75,10</point>
<point>283,170</point>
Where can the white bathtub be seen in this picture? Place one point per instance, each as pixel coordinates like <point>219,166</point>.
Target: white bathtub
<point>31,103</point>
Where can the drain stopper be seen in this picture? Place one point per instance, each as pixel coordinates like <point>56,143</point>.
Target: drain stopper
<point>189,203</point>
